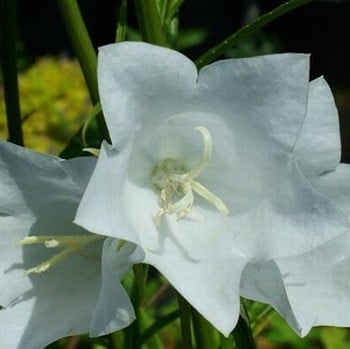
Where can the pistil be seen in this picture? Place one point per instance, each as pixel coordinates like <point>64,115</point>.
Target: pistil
<point>172,179</point>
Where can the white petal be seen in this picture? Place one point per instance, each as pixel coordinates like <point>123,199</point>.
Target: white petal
<point>262,282</point>
<point>318,147</point>
<point>209,280</point>
<point>266,96</point>
<point>307,290</point>
<point>318,286</point>
<point>113,309</point>
<point>101,209</point>
<point>37,197</point>
<point>336,186</point>
<point>80,169</point>
<point>50,306</point>
<point>291,219</point>
<point>269,92</point>
<point>140,83</point>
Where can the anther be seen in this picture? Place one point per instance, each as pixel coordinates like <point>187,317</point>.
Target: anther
<point>171,178</point>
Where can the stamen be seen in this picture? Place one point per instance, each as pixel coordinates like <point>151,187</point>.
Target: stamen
<point>172,180</point>
<point>183,206</point>
<point>70,243</point>
<point>42,267</point>
<point>58,240</point>
<point>208,195</point>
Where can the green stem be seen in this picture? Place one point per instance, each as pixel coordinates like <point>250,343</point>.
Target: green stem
<point>247,30</point>
<point>243,335</point>
<point>81,43</point>
<point>154,340</point>
<point>150,24</point>
<point>227,342</point>
<point>204,332</point>
<point>116,340</point>
<point>121,27</point>
<point>84,50</point>
<point>9,70</point>
<point>185,322</point>
<point>133,332</point>
<point>158,325</point>
<point>140,281</point>
<point>260,320</point>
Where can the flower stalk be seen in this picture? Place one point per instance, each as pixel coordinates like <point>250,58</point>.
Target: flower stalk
<point>83,47</point>
<point>150,24</point>
<point>243,335</point>
<point>9,70</point>
<point>185,322</point>
<point>205,333</point>
<point>247,30</point>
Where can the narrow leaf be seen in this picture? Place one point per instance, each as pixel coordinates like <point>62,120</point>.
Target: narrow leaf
<point>247,30</point>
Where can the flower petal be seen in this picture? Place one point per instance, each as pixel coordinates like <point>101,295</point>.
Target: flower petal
<point>79,169</point>
<point>266,95</point>
<point>130,91</point>
<point>47,307</point>
<point>38,198</point>
<point>297,289</point>
<point>209,281</point>
<point>101,208</point>
<point>318,147</point>
<point>317,284</point>
<point>114,309</point>
<point>293,218</point>
<point>336,186</point>
<point>262,282</point>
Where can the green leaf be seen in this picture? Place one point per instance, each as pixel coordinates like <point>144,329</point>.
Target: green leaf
<point>247,30</point>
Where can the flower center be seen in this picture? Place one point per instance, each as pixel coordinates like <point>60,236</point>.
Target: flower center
<point>177,185</point>
<point>70,243</point>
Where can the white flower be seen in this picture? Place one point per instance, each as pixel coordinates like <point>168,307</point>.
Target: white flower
<point>206,171</point>
<point>56,278</point>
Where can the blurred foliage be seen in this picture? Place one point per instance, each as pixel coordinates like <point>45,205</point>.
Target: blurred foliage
<point>278,335</point>
<point>191,37</point>
<point>255,45</point>
<point>188,37</point>
<point>54,103</point>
